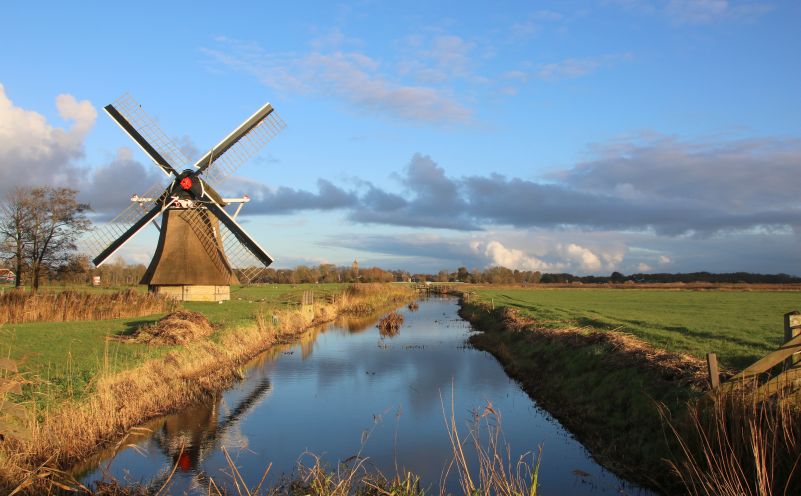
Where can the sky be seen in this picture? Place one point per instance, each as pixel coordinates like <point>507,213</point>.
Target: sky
<point>559,136</point>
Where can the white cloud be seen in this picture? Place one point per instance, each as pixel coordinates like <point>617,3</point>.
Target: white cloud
<point>511,258</point>
<point>583,257</point>
<point>643,267</point>
<point>352,76</point>
<point>35,152</point>
<point>664,260</point>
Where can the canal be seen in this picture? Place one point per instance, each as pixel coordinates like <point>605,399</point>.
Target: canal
<point>344,392</point>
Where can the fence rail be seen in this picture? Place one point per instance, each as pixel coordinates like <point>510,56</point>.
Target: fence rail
<point>777,371</point>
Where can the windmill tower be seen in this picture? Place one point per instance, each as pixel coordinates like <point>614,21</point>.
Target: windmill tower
<point>201,249</point>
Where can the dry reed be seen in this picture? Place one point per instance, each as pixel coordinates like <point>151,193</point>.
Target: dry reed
<point>736,443</point>
<point>390,324</point>
<point>19,306</point>
<point>180,327</point>
<point>490,470</point>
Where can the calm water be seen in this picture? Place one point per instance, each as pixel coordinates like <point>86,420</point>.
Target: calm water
<point>345,390</point>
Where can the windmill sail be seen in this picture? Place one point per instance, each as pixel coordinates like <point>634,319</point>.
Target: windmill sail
<point>151,138</point>
<point>241,145</point>
<point>106,234</point>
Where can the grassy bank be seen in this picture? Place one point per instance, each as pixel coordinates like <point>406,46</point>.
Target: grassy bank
<point>116,400</point>
<point>619,369</point>
<point>740,326</point>
<point>63,360</point>
<point>605,391</point>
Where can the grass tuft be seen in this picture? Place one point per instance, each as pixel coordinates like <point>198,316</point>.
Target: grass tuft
<point>390,324</point>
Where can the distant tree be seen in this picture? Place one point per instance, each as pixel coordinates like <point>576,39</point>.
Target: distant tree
<point>499,275</point>
<point>462,275</point>
<point>75,270</point>
<point>617,277</point>
<point>57,219</point>
<point>15,227</point>
<point>442,276</point>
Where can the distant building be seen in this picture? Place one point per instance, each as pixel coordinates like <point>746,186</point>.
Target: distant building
<point>7,276</point>
<point>355,268</point>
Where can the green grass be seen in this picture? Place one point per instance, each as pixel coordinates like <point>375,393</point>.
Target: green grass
<point>63,359</point>
<point>740,326</point>
<point>246,300</point>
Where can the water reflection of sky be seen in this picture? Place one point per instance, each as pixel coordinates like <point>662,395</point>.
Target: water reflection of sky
<point>321,396</point>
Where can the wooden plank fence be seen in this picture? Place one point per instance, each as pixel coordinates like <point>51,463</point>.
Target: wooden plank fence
<point>777,371</point>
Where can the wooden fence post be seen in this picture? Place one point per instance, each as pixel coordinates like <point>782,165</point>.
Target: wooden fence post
<point>712,369</point>
<point>792,328</point>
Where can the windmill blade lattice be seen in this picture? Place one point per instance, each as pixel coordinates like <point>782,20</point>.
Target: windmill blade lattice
<point>106,234</point>
<point>226,164</point>
<point>147,127</point>
<point>247,266</point>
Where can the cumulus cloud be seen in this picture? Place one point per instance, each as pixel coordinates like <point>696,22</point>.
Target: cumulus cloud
<point>108,188</point>
<point>431,199</point>
<point>352,76</point>
<point>46,153</point>
<point>512,258</point>
<point>536,251</point>
<point>582,257</point>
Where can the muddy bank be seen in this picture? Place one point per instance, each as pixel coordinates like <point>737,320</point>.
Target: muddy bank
<point>603,386</point>
<point>182,377</point>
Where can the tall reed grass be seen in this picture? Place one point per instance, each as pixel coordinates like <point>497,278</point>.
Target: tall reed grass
<point>17,307</point>
<point>737,443</point>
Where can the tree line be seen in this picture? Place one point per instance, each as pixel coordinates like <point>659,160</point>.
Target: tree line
<point>503,275</point>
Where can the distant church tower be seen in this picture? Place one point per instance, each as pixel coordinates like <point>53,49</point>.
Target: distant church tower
<point>355,268</point>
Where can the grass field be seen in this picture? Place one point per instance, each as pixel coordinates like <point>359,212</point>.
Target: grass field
<point>62,359</point>
<point>740,326</point>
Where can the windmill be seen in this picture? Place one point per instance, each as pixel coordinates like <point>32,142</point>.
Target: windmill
<point>201,249</point>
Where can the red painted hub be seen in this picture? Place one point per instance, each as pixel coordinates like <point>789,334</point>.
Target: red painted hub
<point>186,183</point>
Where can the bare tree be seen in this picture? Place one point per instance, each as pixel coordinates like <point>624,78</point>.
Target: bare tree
<point>56,220</point>
<point>15,225</point>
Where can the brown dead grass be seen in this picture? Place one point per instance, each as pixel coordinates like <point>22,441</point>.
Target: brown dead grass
<point>17,307</point>
<point>390,324</point>
<point>181,327</point>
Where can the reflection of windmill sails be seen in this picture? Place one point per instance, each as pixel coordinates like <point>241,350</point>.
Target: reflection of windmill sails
<point>187,438</point>
<point>202,250</point>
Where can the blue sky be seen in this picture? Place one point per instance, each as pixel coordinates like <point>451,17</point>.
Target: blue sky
<point>587,137</point>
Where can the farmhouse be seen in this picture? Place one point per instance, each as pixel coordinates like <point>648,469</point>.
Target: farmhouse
<point>7,276</point>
